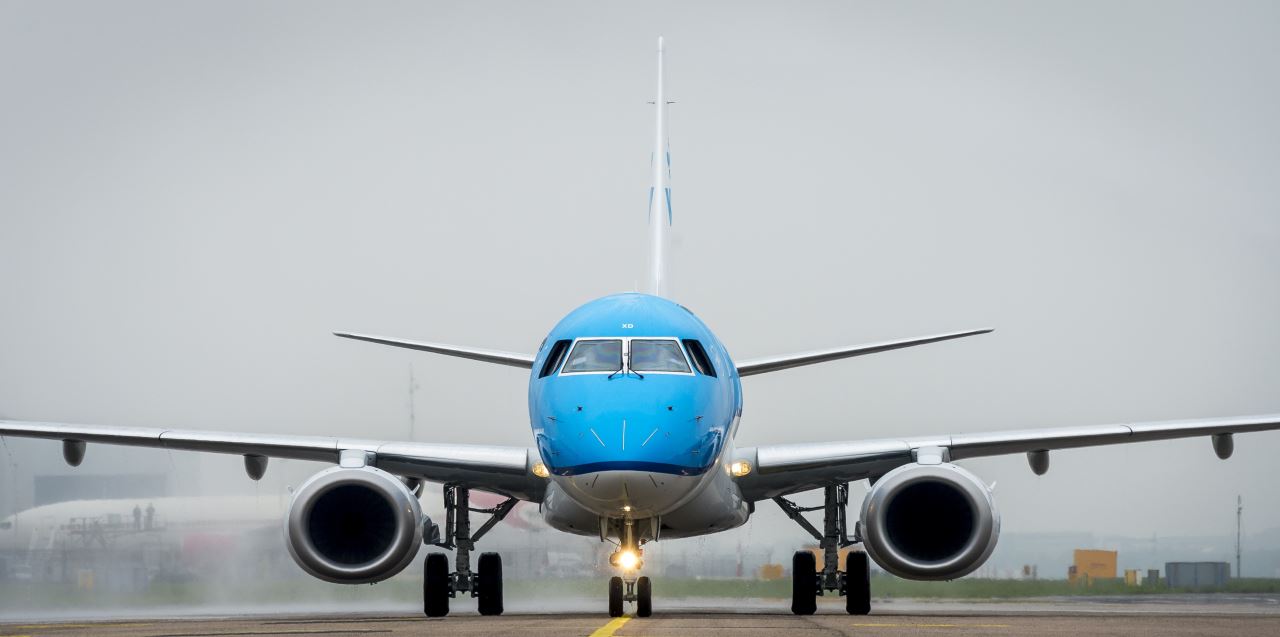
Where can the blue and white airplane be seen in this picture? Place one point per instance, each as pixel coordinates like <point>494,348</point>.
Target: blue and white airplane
<point>634,406</point>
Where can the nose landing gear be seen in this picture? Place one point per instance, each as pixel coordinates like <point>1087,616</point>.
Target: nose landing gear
<point>634,589</point>
<point>630,586</point>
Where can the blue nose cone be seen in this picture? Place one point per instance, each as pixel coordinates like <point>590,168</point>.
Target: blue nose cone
<point>658,423</point>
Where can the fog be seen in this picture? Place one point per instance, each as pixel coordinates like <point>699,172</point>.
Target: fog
<point>194,195</point>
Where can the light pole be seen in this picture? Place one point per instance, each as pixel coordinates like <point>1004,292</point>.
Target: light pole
<point>1239,515</point>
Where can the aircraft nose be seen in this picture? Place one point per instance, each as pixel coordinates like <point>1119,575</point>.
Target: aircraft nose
<point>646,425</point>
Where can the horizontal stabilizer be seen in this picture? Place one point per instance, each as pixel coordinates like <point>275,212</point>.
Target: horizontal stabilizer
<point>473,353</point>
<point>787,361</point>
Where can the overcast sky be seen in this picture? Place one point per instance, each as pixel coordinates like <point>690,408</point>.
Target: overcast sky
<point>193,195</point>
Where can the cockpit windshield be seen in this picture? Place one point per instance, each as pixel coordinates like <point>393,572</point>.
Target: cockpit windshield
<point>597,355</point>
<point>657,356</point>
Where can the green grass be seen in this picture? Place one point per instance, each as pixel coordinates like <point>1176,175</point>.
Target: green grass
<point>975,588</point>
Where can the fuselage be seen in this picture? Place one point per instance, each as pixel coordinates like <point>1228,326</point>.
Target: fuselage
<point>634,404</point>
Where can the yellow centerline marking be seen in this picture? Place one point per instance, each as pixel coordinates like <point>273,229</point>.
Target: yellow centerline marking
<point>608,629</point>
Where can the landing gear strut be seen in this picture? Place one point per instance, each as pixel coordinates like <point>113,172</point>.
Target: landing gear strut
<point>485,584</point>
<point>630,586</point>
<point>807,582</point>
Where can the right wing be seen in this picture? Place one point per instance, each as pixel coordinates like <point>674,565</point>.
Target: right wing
<point>504,470</point>
<point>474,353</point>
<point>783,469</point>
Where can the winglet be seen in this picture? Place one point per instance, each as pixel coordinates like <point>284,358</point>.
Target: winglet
<point>473,353</point>
<point>787,361</point>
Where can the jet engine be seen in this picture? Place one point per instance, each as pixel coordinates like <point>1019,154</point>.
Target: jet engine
<point>929,522</point>
<point>353,525</point>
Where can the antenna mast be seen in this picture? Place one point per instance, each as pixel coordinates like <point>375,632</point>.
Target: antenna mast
<point>413,388</point>
<point>1239,515</point>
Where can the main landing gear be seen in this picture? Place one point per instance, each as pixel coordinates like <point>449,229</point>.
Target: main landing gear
<point>485,584</point>
<point>807,581</point>
<point>630,586</point>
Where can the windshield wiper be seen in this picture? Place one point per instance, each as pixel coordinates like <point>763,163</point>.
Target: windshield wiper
<point>622,364</point>
<point>626,366</point>
<point>638,374</point>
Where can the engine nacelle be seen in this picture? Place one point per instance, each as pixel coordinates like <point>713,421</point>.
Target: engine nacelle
<point>929,522</point>
<point>353,526</point>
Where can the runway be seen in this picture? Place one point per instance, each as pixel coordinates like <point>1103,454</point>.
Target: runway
<point>681,624</point>
<point>1238,616</point>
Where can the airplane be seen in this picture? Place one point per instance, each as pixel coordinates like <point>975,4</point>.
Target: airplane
<point>189,521</point>
<point>200,512</point>
<point>210,529</point>
<point>634,409</point>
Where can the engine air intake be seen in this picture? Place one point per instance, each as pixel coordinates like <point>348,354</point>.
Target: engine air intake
<point>930,522</point>
<point>354,525</point>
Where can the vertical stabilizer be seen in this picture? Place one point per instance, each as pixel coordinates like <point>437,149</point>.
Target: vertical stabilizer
<point>660,191</point>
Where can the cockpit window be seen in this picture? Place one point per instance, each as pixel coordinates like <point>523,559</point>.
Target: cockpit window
<point>595,356</point>
<point>657,356</point>
<point>700,358</point>
<point>554,358</point>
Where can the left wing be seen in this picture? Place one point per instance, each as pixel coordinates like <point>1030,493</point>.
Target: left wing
<point>787,361</point>
<point>782,469</point>
<point>505,470</point>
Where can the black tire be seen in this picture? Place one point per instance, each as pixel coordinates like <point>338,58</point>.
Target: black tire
<point>435,585</point>
<point>804,583</point>
<point>615,596</point>
<point>644,597</point>
<point>857,583</point>
<point>489,574</point>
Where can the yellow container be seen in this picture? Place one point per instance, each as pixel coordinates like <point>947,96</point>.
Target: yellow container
<point>771,572</point>
<point>1092,565</point>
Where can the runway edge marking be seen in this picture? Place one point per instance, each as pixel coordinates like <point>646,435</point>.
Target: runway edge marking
<point>608,629</point>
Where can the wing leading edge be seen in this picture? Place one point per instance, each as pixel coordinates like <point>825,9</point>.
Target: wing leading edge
<point>505,470</point>
<point>783,469</point>
<point>473,353</point>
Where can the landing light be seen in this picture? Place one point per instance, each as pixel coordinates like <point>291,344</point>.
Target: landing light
<point>626,560</point>
<point>540,470</point>
<point>740,468</point>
